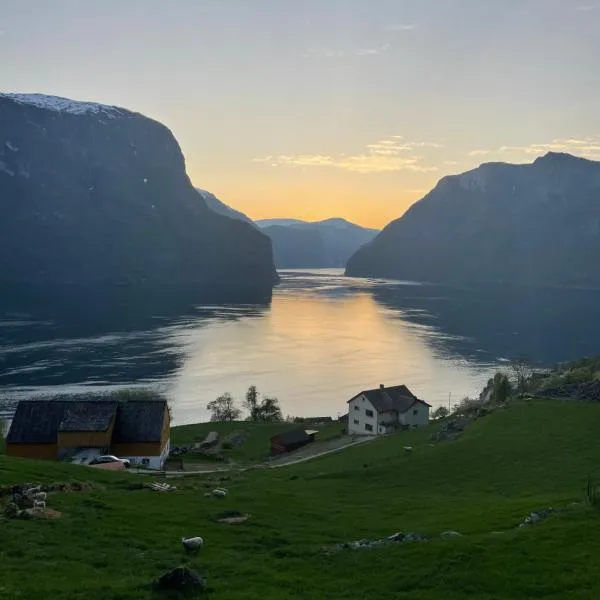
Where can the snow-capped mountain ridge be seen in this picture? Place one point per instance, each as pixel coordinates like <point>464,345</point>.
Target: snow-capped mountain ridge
<point>65,105</point>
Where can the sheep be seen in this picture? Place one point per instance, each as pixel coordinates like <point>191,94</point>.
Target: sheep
<point>219,492</point>
<point>39,504</point>
<point>192,544</point>
<point>33,490</point>
<point>408,449</point>
<point>39,496</point>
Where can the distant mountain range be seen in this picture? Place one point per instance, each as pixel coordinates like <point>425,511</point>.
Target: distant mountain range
<point>321,244</point>
<point>302,244</point>
<point>529,224</point>
<point>97,197</point>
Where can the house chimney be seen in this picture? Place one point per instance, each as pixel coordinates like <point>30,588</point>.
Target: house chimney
<point>381,386</point>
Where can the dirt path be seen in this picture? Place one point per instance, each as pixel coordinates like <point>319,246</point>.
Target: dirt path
<point>285,461</point>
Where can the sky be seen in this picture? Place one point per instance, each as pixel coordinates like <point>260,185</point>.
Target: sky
<point>324,108</point>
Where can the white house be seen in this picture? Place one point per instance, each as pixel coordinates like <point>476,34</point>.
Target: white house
<point>385,410</point>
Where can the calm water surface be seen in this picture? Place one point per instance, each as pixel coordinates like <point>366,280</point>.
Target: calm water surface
<point>322,339</point>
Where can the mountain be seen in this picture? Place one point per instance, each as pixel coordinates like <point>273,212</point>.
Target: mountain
<point>537,223</point>
<point>221,208</point>
<point>322,244</point>
<point>95,196</point>
<point>262,223</point>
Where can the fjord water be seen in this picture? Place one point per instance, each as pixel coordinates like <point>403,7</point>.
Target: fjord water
<point>321,339</point>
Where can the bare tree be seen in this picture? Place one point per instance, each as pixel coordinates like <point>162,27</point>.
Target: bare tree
<point>521,371</point>
<point>223,409</point>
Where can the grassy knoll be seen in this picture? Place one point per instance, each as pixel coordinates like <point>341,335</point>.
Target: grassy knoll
<point>111,542</point>
<point>256,446</point>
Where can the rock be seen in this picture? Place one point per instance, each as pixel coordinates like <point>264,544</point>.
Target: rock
<point>181,580</point>
<point>447,535</point>
<point>232,517</point>
<point>415,537</point>
<point>397,537</point>
<point>11,510</point>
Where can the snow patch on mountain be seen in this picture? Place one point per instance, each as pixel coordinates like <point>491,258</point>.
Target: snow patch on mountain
<point>64,105</point>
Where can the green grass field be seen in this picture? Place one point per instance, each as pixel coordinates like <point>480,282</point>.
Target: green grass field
<point>256,446</point>
<point>112,542</point>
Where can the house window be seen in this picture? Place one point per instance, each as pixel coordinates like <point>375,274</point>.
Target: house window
<point>369,413</point>
<point>368,427</point>
<point>415,412</point>
<point>356,421</point>
<point>356,407</point>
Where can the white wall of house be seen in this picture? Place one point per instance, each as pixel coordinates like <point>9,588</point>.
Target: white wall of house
<point>416,416</point>
<point>151,462</point>
<point>362,417</point>
<point>386,423</point>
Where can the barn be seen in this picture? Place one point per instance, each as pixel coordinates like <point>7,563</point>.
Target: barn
<point>59,429</point>
<point>290,440</point>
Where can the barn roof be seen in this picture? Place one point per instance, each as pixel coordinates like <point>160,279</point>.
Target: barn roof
<point>36,422</point>
<point>88,416</point>
<point>292,436</point>
<point>397,398</point>
<point>39,421</point>
<point>139,421</point>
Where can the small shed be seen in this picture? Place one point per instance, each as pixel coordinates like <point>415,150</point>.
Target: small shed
<point>290,440</point>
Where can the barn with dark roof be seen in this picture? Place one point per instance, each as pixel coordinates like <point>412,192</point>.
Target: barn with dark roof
<point>57,429</point>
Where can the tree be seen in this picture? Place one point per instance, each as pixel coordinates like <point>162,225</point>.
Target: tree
<point>441,412</point>
<point>522,371</point>
<point>269,411</point>
<point>251,403</point>
<point>223,409</point>
<point>501,388</point>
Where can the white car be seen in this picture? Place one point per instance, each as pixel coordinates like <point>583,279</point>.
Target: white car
<point>108,458</point>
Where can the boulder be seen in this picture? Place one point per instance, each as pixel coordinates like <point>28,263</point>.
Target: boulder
<point>181,580</point>
<point>448,535</point>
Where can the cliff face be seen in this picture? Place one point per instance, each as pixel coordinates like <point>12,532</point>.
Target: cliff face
<point>533,224</point>
<point>92,195</point>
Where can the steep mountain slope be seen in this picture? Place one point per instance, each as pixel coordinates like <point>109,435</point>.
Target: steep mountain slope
<point>221,208</point>
<point>536,224</point>
<point>323,244</point>
<point>98,196</point>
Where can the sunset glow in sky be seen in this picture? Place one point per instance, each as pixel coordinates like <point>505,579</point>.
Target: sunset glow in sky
<point>320,108</point>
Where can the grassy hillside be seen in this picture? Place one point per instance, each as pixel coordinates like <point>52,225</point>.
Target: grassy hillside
<point>111,541</point>
<point>257,444</point>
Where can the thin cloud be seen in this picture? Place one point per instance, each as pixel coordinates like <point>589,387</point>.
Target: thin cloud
<point>400,27</point>
<point>386,155</point>
<point>372,51</point>
<point>337,53</point>
<point>451,163</point>
<point>588,147</point>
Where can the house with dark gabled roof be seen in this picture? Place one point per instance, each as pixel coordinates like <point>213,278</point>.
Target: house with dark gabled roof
<point>386,410</point>
<point>59,429</point>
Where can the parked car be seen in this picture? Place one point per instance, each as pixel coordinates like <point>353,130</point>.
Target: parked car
<point>108,458</point>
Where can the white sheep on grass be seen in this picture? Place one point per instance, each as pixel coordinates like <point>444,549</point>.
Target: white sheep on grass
<point>192,544</point>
